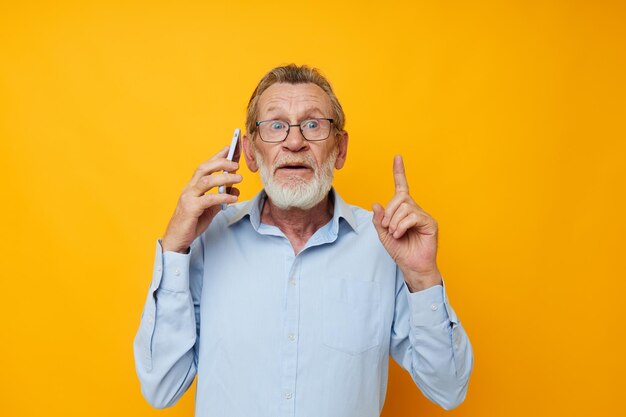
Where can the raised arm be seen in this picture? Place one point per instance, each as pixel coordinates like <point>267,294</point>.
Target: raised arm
<point>166,344</point>
<point>427,338</point>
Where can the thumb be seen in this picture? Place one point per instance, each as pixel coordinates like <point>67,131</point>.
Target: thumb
<point>379,213</point>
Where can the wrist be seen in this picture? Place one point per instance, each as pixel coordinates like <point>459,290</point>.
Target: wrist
<point>419,281</point>
<point>167,247</point>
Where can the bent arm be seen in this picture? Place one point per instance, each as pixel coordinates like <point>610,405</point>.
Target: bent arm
<point>428,340</point>
<point>166,344</point>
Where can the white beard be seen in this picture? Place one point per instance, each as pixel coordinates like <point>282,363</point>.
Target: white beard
<point>297,192</point>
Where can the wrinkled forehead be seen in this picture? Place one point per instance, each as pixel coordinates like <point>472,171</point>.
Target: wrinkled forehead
<point>294,100</point>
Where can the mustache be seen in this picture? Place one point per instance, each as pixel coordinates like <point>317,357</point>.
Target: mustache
<point>293,160</point>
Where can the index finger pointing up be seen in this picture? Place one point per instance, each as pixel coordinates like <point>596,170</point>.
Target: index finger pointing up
<point>399,177</point>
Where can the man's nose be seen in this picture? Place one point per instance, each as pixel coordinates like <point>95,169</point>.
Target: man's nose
<point>295,141</point>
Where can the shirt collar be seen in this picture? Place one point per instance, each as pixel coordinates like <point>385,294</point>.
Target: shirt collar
<point>252,208</point>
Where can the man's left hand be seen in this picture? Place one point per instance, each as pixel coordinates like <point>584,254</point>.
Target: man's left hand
<point>409,234</point>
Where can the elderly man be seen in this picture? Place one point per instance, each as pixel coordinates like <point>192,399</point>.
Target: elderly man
<point>291,303</point>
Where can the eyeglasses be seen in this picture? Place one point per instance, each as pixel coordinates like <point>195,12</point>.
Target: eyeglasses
<point>274,131</point>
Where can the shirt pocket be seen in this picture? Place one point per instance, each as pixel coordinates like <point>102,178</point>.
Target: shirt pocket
<point>351,316</point>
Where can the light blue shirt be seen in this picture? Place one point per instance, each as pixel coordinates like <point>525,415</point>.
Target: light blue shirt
<point>270,333</point>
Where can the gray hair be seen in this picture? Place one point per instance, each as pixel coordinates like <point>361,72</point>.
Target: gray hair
<point>293,74</point>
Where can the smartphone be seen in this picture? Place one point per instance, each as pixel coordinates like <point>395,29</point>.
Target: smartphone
<point>233,155</point>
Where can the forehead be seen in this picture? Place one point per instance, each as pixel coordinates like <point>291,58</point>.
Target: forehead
<point>294,99</point>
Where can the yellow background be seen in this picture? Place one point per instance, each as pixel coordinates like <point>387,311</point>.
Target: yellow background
<point>510,116</point>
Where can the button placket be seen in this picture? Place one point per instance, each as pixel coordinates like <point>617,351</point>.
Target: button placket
<point>289,349</point>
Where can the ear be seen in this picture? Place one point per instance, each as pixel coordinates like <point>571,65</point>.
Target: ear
<point>343,149</point>
<point>248,151</point>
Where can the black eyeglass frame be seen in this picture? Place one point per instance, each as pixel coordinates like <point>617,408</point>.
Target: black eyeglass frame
<point>289,126</point>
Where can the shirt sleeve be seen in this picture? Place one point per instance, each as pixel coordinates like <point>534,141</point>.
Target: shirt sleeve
<point>428,340</point>
<point>166,344</point>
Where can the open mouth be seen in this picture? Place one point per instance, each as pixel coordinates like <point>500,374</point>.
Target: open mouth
<point>293,167</point>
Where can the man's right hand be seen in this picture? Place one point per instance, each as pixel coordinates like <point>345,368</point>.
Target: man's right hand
<point>195,209</point>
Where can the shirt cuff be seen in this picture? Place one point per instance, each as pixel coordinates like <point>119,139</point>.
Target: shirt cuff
<point>427,306</point>
<point>171,270</point>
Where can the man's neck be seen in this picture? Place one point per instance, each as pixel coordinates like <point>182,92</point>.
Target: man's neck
<point>298,225</point>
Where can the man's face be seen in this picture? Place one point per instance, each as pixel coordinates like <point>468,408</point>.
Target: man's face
<point>296,172</point>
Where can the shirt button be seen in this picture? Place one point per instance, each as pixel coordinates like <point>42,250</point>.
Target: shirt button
<point>159,268</point>
<point>433,307</point>
<point>292,337</point>
<point>292,281</point>
<point>456,346</point>
<point>177,272</point>
<point>288,395</point>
